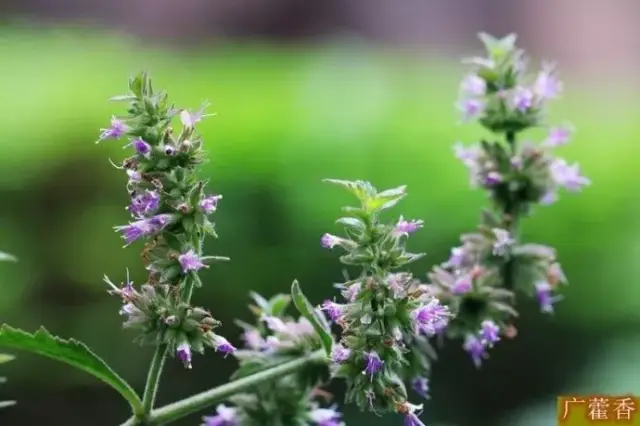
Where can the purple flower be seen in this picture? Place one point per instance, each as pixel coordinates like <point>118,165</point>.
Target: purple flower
<point>190,261</point>
<point>425,317</point>
<point>141,147</point>
<point>476,349</point>
<point>547,86</point>
<point>473,85</point>
<point>493,178</point>
<point>189,119</point>
<point>134,176</point>
<point>351,293</point>
<point>470,108</point>
<point>325,417</point>
<point>333,309</point>
<point>373,363</point>
<point>522,99</point>
<point>549,198</point>
<point>405,228</point>
<point>227,416</point>
<point>330,241</point>
<point>340,354</point>
<point>421,386</point>
<point>568,176</point>
<point>462,285</point>
<point>545,296</point>
<point>395,283</point>
<point>143,227</point>
<point>210,203</point>
<point>183,351</point>
<point>489,333</point>
<point>144,204</point>
<point>558,136</point>
<point>117,129</point>
<point>253,339</point>
<point>410,419</point>
<point>468,156</point>
<point>503,241</point>
<point>222,345</point>
<point>456,258</point>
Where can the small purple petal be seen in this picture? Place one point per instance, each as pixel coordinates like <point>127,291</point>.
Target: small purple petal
<point>410,419</point>
<point>547,86</point>
<point>404,228</point>
<point>141,147</point>
<point>473,85</point>
<point>476,349</point>
<point>421,386</point>
<point>462,285</point>
<point>489,333</point>
<point>558,136</point>
<point>545,296</point>
<point>222,345</point>
<point>373,363</point>
<point>340,354</point>
<point>117,129</point>
<point>226,416</point>
<point>330,241</point>
<point>522,99</point>
<point>190,261</point>
<point>325,417</point>
<point>184,354</point>
<point>210,203</point>
<point>568,176</point>
<point>471,108</point>
<point>333,309</point>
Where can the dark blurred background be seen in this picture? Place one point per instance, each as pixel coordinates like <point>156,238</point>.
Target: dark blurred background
<point>305,90</point>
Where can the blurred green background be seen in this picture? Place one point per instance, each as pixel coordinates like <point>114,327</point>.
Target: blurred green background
<point>289,115</point>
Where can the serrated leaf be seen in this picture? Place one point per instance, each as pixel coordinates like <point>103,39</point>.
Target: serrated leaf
<point>71,352</point>
<point>6,257</point>
<point>308,311</point>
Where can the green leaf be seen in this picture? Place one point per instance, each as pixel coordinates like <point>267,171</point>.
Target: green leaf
<point>71,352</point>
<point>6,257</point>
<point>6,358</point>
<point>308,311</point>
<point>386,199</point>
<point>278,304</point>
<point>498,48</point>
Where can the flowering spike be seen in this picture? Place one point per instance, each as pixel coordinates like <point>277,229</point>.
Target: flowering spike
<point>166,201</point>
<point>480,280</point>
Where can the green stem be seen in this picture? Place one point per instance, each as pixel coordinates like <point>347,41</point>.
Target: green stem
<point>200,401</point>
<point>153,378</point>
<point>511,214</point>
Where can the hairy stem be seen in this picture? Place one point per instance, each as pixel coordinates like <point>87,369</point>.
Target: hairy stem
<point>200,401</point>
<point>511,213</point>
<point>153,378</point>
<point>160,354</point>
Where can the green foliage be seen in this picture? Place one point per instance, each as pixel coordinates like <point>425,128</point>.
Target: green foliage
<point>308,311</point>
<point>71,352</point>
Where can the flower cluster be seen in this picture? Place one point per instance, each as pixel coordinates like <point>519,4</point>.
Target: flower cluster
<point>386,316</point>
<point>480,279</point>
<point>292,399</point>
<point>169,210</point>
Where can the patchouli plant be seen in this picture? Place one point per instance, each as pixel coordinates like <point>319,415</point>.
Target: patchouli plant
<point>480,280</point>
<point>384,318</point>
